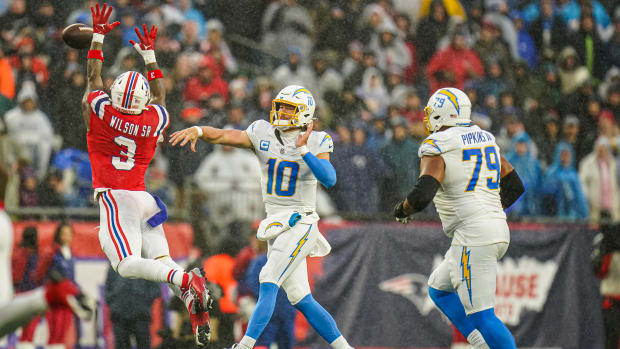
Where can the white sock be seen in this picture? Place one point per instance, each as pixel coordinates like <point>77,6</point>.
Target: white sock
<point>134,267</point>
<point>172,264</point>
<point>340,343</point>
<point>476,340</point>
<point>247,342</point>
<point>187,298</point>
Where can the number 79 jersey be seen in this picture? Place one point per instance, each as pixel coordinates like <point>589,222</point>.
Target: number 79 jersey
<point>468,200</point>
<point>286,180</point>
<point>121,146</point>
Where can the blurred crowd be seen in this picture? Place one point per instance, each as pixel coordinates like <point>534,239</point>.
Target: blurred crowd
<point>542,75</point>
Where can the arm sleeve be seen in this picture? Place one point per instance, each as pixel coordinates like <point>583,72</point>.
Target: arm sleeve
<point>423,192</point>
<point>510,188</point>
<point>98,100</point>
<point>322,170</point>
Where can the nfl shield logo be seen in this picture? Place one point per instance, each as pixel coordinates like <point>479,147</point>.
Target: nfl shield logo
<point>282,150</point>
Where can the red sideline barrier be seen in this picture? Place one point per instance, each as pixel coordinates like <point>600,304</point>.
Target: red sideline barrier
<point>86,241</point>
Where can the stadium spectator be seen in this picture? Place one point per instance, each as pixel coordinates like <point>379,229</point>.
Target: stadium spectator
<point>66,115</point>
<point>528,168</point>
<point>403,23</point>
<point>7,82</point>
<point>453,65</point>
<point>572,73</point>
<point>329,82</point>
<point>432,28</point>
<point>490,49</point>
<point>612,48</point>
<point>400,154</point>
<point>230,178</point>
<point>571,131</point>
<point>360,171</point>
<point>31,129</point>
<point>191,14</point>
<point>589,46</point>
<point>373,16</point>
<point>219,271</point>
<point>549,138</point>
<point>216,46</point>
<point>573,9</point>
<point>373,92</point>
<point>62,263</point>
<point>285,23</point>
<point>354,61</point>
<point>130,303</point>
<point>294,71</point>
<point>24,262</point>
<point>597,172</point>
<point>525,44</point>
<point>390,49</point>
<point>552,96</point>
<point>14,20</point>
<point>548,30</point>
<point>205,84</point>
<point>561,183</point>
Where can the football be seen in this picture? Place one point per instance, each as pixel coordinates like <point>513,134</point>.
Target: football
<point>77,35</point>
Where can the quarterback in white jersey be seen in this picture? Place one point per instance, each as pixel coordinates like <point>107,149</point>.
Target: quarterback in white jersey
<point>293,158</point>
<point>462,171</point>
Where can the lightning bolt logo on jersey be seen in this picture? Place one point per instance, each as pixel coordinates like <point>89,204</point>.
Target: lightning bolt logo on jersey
<point>286,180</point>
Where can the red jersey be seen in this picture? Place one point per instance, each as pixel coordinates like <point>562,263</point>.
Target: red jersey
<point>121,146</point>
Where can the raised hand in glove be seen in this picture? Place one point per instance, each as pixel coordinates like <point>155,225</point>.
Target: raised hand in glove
<point>147,43</point>
<point>100,19</point>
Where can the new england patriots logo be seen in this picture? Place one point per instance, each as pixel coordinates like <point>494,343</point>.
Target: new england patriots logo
<point>411,286</point>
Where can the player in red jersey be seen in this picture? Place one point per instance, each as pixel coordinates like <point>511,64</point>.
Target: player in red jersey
<point>123,131</point>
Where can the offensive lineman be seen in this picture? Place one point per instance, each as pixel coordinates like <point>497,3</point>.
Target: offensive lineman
<point>123,131</point>
<point>290,171</point>
<point>471,184</point>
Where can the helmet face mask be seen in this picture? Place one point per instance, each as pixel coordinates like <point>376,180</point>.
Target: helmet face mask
<point>297,97</point>
<point>130,93</point>
<point>276,116</point>
<point>447,107</point>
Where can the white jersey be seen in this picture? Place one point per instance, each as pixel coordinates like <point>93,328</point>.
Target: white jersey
<point>286,180</point>
<point>468,200</point>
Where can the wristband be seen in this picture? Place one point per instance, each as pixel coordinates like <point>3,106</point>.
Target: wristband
<point>97,37</point>
<point>199,130</point>
<point>96,54</point>
<point>304,150</point>
<point>154,74</point>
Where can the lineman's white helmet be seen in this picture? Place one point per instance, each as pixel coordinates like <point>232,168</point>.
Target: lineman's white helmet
<point>298,97</point>
<point>447,107</point>
<point>130,93</point>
